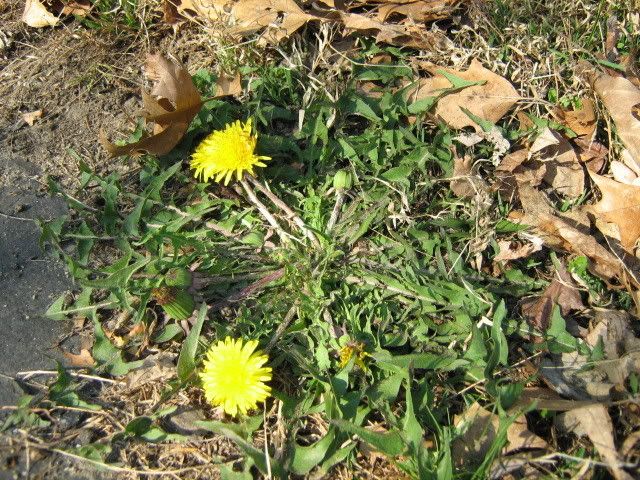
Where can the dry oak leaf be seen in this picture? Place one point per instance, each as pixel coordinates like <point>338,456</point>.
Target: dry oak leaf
<point>620,96</point>
<point>582,120</point>
<point>408,35</point>
<point>490,101</point>
<point>569,232</point>
<point>622,349</point>
<point>620,205</point>
<point>283,17</point>
<point>592,154</point>
<point>562,291</point>
<point>594,422</point>
<point>563,170</point>
<point>172,104</point>
<point>36,15</point>
<point>562,235</point>
<point>82,360</point>
<point>280,18</point>
<point>31,117</point>
<point>510,250</point>
<point>481,429</point>
<point>81,8</point>
<point>417,10</point>
<point>466,184</point>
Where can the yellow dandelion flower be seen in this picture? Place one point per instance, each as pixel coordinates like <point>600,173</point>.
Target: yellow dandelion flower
<point>227,151</point>
<point>353,350</point>
<point>234,374</point>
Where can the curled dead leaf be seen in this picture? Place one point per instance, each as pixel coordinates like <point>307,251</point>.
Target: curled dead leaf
<point>510,250</point>
<point>36,15</point>
<point>465,184</point>
<point>481,428</point>
<point>620,96</point>
<point>562,170</point>
<point>275,20</point>
<point>562,291</point>
<point>82,360</point>
<point>417,11</point>
<point>581,120</point>
<point>620,205</point>
<point>31,117</point>
<point>227,86</point>
<point>171,104</point>
<point>595,423</point>
<point>490,101</point>
<point>622,349</point>
<point>593,154</point>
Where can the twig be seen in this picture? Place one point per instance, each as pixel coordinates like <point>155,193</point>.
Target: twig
<point>22,219</point>
<point>115,468</point>
<point>336,210</point>
<point>32,373</point>
<point>285,208</point>
<point>265,213</point>
<point>267,459</point>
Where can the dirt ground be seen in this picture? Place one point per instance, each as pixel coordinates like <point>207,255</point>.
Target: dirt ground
<point>83,81</point>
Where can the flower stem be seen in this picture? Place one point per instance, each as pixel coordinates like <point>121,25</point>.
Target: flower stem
<point>265,213</point>
<point>335,213</point>
<point>285,208</point>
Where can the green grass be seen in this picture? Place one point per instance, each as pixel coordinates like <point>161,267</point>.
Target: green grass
<point>397,276</point>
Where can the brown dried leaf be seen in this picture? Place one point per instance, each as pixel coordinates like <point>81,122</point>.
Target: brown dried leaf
<point>620,97</point>
<point>591,153</point>
<point>490,101</point>
<point>465,184</point>
<point>602,262</point>
<point>157,144</point>
<point>629,161</point>
<point>278,19</point>
<point>481,431</point>
<point>567,374</point>
<point>621,173</point>
<point>228,86</point>
<point>172,104</point>
<point>36,15</point>
<point>82,360</point>
<point>562,291</point>
<point>570,234</point>
<point>80,8</point>
<point>172,84</point>
<point>417,11</point>
<point>157,367</point>
<point>546,399</point>
<point>510,250</point>
<point>408,35</point>
<point>594,422</point>
<point>621,347</point>
<point>563,171</point>
<point>31,117</point>
<point>582,121</point>
<point>620,205</point>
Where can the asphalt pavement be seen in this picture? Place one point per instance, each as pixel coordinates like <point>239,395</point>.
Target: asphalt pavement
<point>30,279</point>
